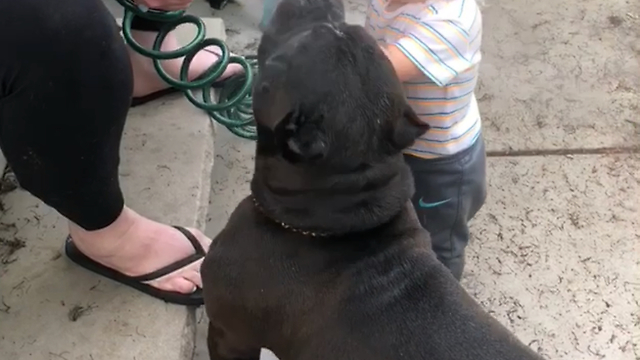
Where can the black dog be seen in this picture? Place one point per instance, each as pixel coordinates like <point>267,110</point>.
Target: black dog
<point>326,259</point>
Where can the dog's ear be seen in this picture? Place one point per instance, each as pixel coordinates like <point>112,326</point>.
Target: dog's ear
<point>408,128</point>
<point>301,138</point>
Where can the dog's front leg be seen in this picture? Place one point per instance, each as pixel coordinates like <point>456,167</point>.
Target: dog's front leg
<point>225,346</point>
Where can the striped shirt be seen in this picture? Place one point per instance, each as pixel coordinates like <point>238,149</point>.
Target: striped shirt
<point>442,38</point>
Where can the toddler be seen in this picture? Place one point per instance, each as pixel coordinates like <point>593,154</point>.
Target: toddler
<point>434,46</point>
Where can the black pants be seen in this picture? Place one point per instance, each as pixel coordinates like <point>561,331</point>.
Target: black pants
<point>449,192</point>
<point>65,89</point>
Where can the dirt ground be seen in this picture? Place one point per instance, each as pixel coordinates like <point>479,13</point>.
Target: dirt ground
<point>555,251</point>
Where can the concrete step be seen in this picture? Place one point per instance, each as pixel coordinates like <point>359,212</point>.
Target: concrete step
<point>53,309</point>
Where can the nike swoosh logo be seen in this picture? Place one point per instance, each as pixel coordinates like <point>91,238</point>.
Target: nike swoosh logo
<point>425,205</point>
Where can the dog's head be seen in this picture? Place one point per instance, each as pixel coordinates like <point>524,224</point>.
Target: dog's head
<point>326,95</point>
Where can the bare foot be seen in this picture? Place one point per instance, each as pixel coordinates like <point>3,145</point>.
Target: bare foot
<point>135,245</point>
<point>147,81</point>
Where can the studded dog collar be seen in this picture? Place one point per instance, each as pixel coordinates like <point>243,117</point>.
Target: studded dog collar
<point>285,225</point>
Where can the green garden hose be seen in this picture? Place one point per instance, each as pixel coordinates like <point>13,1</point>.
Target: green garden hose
<point>233,108</point>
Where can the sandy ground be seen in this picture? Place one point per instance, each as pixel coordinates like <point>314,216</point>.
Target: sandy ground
<point>555,251</point>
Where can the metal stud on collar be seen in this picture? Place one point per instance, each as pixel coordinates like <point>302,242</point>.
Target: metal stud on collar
<point>284,225</point>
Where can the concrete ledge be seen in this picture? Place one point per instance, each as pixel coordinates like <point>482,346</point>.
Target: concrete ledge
<point>52,309</point>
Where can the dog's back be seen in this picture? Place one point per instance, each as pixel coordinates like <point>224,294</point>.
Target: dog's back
<point>376,295</point>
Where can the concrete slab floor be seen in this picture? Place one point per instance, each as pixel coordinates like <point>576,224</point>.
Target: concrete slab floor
<point>561,74</point>
<point>554,253</point>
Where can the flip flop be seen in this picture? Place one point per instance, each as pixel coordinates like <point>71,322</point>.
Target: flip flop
<point>140,100</point>
<point>141,283</point>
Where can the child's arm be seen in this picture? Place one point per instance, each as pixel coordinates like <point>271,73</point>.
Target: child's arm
<point>405,68</point>
<point>436,49</point>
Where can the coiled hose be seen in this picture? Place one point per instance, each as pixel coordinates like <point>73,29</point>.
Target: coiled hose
<point>233,107</point>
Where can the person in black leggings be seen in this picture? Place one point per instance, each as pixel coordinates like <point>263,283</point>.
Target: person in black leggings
<point>66,84</point>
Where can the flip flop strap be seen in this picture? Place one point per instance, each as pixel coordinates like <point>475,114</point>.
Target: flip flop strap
<point>199,254</point>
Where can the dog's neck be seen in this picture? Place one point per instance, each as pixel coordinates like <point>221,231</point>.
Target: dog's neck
<point>307,202</point>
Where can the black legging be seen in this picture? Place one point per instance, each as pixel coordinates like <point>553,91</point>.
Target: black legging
<point>65,89</point>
